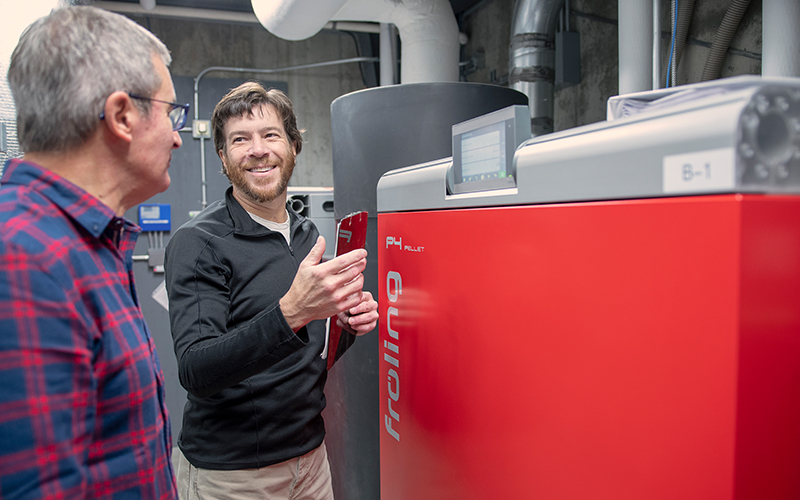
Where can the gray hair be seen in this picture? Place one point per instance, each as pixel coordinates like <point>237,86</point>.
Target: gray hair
<point>67,64</point>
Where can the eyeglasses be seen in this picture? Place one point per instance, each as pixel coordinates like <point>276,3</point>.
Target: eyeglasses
<point>177,114</point>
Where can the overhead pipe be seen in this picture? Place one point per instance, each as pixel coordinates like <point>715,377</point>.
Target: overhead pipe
<point>635,45</point>
<point>532,58</point>
<point>780,38</point>
<point>214,15</point>
<point>428,29</point>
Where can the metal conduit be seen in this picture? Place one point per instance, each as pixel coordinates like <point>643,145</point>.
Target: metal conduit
<point>532,58</point>
<point>635,45</point>
<point>656,44</point>
<point>203,185</point>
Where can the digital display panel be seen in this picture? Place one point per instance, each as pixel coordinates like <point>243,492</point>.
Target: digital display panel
<point>483,154</point>
<point>482,157</point>
<point>483,150</point>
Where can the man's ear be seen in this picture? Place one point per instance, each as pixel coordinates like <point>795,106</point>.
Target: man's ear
<point>221,154</point>
<point>120,115</point>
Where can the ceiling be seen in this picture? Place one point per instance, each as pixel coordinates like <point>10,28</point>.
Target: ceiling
<point>459,6</point>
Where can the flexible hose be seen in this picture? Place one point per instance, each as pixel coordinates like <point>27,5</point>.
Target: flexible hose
<point>684,19</point>
<point>722,40</point>
<point>673,20</point>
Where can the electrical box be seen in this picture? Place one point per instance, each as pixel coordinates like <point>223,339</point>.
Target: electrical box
<point>155,217</point>
<point>568,59</point>
<point>201,128</point>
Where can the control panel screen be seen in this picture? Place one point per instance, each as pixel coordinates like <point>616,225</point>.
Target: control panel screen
<point>483,154</point>
<point>483,151</point>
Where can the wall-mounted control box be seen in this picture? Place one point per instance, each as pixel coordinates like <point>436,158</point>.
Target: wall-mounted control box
<point>155,217</point>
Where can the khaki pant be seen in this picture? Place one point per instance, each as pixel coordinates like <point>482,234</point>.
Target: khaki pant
<point>304,478</point>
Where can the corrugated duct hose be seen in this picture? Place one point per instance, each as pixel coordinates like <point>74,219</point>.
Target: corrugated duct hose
<point>684,19</point>
<point>722,40</point>
<point>681,30</point>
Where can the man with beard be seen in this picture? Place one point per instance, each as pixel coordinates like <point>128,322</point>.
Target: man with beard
<point>248,297</point>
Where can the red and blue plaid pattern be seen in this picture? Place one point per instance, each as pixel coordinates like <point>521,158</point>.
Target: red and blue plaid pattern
<point>82,407</point>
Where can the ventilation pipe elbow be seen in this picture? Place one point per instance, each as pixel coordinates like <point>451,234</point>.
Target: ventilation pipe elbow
<point>428,29</point>
<point>532,58</point>
<point>295,19</point>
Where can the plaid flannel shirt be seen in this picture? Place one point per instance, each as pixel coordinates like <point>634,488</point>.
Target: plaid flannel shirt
<point>82,407</point>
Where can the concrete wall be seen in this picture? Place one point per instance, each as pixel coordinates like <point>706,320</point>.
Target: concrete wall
<point>196,46</point>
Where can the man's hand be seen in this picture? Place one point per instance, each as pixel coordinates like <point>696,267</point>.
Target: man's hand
<point>362,318</point>
<point>323,290</point>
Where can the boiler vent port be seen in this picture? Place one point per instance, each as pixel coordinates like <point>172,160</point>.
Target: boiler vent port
<point>299,203</point>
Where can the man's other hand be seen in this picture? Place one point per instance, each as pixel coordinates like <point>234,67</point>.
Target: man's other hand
<point>362,318</point>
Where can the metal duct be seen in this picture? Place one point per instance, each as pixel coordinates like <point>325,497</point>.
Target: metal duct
<point>532,58</point>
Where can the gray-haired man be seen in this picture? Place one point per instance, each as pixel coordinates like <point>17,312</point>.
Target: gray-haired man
<point>82,409</point>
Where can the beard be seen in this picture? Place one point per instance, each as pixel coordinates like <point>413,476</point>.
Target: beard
<point>258,191</point>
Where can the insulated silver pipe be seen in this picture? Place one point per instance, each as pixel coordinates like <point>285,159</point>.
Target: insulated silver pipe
<point>532,58</point>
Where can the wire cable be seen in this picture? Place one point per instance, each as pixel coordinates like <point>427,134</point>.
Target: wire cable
<point>672,45</point>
